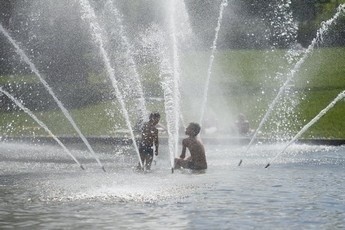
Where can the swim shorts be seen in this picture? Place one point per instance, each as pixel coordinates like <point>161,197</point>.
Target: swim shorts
<point>191,165</point>
<point>146,150</point>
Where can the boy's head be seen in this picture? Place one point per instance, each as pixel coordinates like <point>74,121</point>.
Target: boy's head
<point>193,129</point>
<point>154,118</point>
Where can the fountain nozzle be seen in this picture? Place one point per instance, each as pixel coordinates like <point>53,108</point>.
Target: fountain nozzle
<point>267,165</point>
<point>82,167</point>
<point>239,164</point>
<point>172,170</point>
<point>103,168</point>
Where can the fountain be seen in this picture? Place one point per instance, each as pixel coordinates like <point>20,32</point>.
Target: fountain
<point>297,66</point>
<point>41,124</point>
<point>64,110</point>
<point>167,56</point>
<point>209,70</point>
<point>307,126</point>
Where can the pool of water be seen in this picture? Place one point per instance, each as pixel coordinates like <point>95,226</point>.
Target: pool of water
<point>41,187</point>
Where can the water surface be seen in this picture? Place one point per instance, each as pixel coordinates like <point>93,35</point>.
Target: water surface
<point>42,188</point>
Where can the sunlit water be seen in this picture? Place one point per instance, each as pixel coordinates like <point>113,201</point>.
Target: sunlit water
<point>41,187</point>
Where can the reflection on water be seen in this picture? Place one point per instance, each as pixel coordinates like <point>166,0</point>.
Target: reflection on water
<point>41,187</point>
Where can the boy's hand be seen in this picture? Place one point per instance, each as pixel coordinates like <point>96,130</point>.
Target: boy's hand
<point>156,153</point>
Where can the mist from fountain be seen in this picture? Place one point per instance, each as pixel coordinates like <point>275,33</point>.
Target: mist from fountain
<point>176,72</point>
<point>154,42</point>
<point>133,87</point>
<point>307,126</point>
<point>178,25</point>
<point>319,37</point>
<point>223,4</point>
<point>61,106</point>
<point>166,45</point>
<point>283,30</point>
<point>88,14</point>
<point>40,123</point>
<point>167,82</point>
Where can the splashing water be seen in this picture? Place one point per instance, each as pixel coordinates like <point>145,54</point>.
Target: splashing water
<point>319,37</point>
<point>63,109</point>
<point>133,77</point>
<point>209,70</point>
<point>90,16</point>
<point>282,29</point>
<point>26,110</point>
<point>313,121</point>
<point>167,84</point>
<point>178,29</point>
<point>155,42</point>
<point>175,103</point>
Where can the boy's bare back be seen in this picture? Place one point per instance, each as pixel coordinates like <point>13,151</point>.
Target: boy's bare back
<point>197,152</point>
<point>149,134</point>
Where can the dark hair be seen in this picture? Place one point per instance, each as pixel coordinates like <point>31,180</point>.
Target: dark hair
<point>154,116</point>
<point>195,128</point>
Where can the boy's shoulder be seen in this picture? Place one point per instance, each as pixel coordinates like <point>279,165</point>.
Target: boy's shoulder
<point>188,140</point>
<point>148,125</point>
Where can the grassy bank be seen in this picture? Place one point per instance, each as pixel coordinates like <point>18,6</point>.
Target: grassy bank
<point>243,81</point>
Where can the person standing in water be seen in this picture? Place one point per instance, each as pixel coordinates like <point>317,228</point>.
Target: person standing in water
<point>197,160</point>
<point>149,140</point>
<point>242,125</point>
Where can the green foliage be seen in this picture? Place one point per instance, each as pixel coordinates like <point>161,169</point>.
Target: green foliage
<point>249,81</point>
<point>9,79</point>
<point>321,11</point>
<point>326,9</point>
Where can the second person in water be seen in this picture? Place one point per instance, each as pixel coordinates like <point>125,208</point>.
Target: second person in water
<point>149,141</point>
<point>197,160</point>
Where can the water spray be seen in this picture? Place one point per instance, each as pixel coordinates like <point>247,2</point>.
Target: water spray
<point>307,126</point>
<point>26,110</point>
<point>61,106</point>
<point>167,50</point>
<point>134,76</point>
<point>166,76</point>
<point>319,38</point>
<point>209,70</point>
<point>176,71</point>
<point>89,14</point>
<point>170,75</point>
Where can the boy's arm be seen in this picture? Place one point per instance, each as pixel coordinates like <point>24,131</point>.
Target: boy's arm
<point>156,142</point>
<point>184,147</point>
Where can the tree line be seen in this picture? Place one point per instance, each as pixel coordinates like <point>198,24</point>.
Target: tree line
<point>246,24</point>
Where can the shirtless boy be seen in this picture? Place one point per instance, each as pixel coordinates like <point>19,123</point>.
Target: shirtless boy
<point>149,137</point>
<point>197,160</point>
